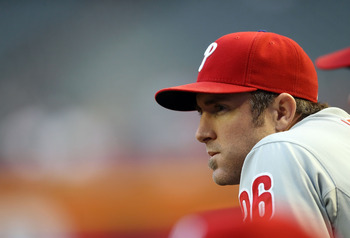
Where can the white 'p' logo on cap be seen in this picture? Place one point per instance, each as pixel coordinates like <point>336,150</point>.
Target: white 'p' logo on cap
<point>211,48</point>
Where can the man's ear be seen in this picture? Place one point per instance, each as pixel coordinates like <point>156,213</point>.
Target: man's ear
<point>284,108</point>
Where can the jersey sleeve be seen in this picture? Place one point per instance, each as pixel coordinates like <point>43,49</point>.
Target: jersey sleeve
<point>286,179</point>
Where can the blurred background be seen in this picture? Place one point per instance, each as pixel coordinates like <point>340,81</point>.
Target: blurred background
<point>85,151</point>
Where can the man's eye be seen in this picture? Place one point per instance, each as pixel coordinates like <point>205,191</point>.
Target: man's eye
<point>219,108</point>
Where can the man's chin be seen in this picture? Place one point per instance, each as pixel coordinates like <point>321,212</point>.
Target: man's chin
<point>222,180</point>
<point>219,180</point>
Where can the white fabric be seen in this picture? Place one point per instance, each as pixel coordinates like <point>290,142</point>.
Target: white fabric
<point>309,168</point>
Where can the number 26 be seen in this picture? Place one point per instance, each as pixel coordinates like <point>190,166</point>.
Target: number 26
<point>259,202</point>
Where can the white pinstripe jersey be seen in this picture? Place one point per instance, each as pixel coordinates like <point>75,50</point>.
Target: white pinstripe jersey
<point>303,173</point>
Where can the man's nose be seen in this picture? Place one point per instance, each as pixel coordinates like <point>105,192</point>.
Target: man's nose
<point>205,131</point>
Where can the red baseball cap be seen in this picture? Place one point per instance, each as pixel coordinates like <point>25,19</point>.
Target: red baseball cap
<point>334,60</point>
<point>245,62</point>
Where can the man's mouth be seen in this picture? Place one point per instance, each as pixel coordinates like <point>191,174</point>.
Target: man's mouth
<point>212,153</point>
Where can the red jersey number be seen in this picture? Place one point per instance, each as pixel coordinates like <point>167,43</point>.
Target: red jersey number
<point>259,202</point>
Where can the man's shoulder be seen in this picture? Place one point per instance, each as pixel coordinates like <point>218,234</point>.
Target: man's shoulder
<point>312,131</point>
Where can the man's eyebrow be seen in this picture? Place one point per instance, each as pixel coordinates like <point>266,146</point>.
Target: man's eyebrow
<point>215,99</point>
<point>207,102</point>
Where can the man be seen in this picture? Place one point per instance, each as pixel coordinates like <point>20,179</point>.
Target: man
<point>263,128</point>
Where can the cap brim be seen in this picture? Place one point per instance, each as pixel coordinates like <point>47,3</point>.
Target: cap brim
<point>335,60</point>
<point>183,98</point>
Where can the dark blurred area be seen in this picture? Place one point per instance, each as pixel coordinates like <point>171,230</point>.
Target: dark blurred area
<point>85,151</point>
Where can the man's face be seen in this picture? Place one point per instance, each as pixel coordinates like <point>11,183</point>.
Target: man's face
<point>227,129</point>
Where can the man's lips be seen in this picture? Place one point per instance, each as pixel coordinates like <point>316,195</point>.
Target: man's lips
<point>212,153</point>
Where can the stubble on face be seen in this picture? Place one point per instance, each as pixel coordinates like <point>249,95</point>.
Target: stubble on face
<point>212,164</point>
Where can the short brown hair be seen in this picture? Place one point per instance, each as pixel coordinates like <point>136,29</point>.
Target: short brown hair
<point>260,100</point>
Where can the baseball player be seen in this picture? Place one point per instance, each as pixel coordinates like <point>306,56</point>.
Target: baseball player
<point>264,129</point>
